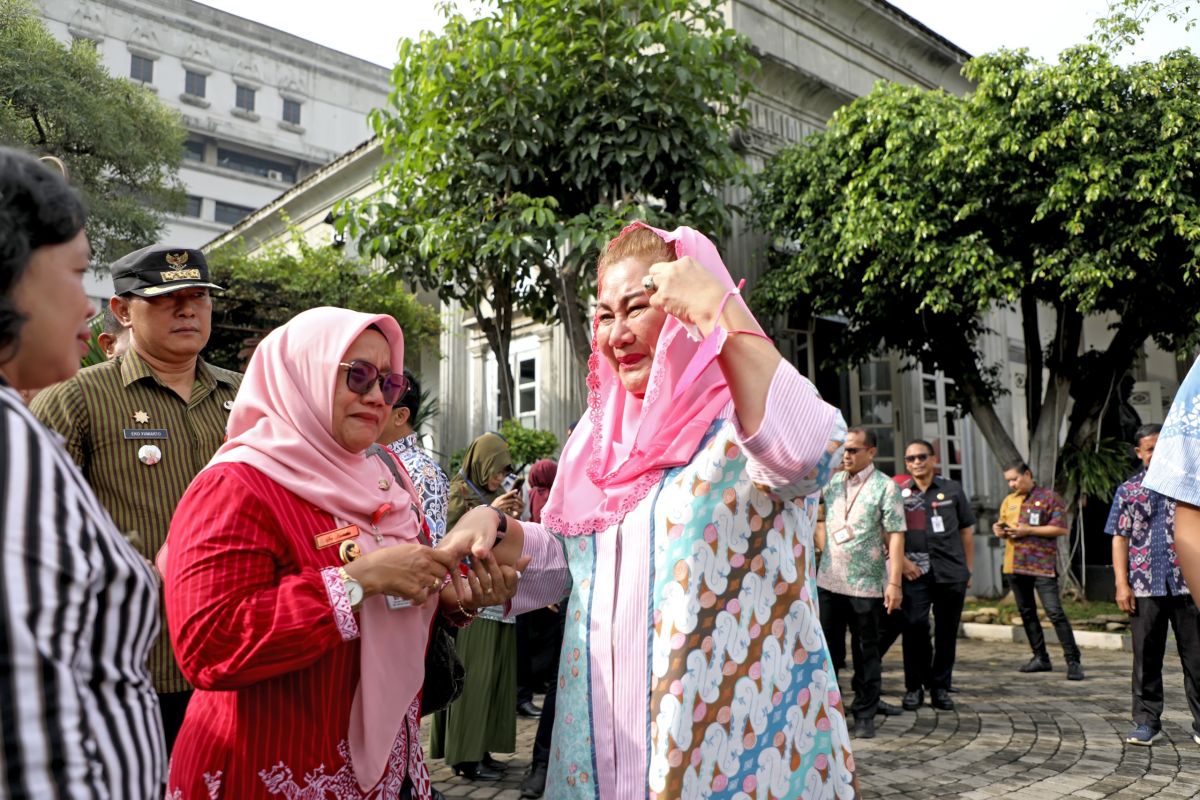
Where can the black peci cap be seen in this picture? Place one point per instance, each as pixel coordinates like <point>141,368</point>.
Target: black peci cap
<point>158,270</point>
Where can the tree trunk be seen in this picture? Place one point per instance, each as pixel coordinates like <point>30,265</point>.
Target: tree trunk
<point>497,329</point>
<point>982,410</point>
<point>573,314</point>
<point>1033,358</point>
<point>1044,439</point>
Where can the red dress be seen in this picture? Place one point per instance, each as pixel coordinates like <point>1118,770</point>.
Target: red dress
<point>263,629</point>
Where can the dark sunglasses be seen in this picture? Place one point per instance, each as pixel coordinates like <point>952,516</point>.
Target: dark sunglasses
<point>852,451</point>
<point>917,457</point>
<point>362,375</point>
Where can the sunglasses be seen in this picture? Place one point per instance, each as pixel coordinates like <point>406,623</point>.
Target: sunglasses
<point>361,376</point>
<point>917,457</point>
<point>852,451</point>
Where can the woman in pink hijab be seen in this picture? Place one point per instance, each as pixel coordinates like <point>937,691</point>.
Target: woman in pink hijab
<point>681,527</point>
<point>300,587</point>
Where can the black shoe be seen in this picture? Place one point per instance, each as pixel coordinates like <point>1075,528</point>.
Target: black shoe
<point>493,764</point>
<point>529,710</point>
<point>864,728</point>
<point>1074,671</point>
<point>1036,665</point>
<point>888,710</point>
<point>534,783</point>
<point>953,689</point>
<point>941,700</point>
<point>913,700</point>
<point>474,771</point>
<point>434,794</point>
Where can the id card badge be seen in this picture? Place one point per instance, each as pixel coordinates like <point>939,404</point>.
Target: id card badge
<point>843,535</point>
<point>1035,518</point>
<point>939,524</point>
<point>396,603</point>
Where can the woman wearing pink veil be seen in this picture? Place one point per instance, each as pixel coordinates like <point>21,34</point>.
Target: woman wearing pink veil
<point>300,585</point>
<point>681,527</point>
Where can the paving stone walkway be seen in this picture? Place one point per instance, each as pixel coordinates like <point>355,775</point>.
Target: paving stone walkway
<point>1012,736</point>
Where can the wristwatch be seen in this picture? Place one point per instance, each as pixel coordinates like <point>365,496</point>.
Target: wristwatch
<point>354,589</point>
<point>503,527</point>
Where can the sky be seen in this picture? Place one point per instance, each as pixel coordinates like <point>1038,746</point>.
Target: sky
<point>370,29</point>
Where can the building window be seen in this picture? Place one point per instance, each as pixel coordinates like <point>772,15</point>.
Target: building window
<point>526,394</point>
<point>245,98</point>
<point>941,425</point>
<point>193,150</point>
<point>876,410</point>
<point>291,111</point>
<point>141,68</point>
<point>194,83</point>
<point>253,165</point>
<point>230,214</point>
<point>193,206</point>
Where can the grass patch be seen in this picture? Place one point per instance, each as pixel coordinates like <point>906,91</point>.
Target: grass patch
<point>1079,612</point>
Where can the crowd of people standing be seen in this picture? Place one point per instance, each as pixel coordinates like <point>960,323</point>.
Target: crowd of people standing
<point>227,586</point>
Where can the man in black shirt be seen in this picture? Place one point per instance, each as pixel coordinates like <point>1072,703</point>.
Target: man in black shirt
<point>938,557</point>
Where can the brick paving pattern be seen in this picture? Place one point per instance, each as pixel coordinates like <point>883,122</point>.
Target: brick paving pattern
<point>1012,736</point>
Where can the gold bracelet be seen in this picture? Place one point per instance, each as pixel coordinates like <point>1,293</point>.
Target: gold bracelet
<point>462,610</point>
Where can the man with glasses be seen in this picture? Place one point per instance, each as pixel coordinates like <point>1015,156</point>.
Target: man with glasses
<point>938,557</point>
<point>142,424</point>
<point>863,526</point>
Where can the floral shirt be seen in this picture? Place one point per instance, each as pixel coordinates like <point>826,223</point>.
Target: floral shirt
<point>429,479</point>
<point>1033,555</point>
<point>869,505</point>
<point>1147,519</point>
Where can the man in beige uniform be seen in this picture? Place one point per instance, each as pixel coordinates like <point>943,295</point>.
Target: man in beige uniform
<point>142,424</point>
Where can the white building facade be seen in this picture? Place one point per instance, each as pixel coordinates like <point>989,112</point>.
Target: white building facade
<point>263,109</point>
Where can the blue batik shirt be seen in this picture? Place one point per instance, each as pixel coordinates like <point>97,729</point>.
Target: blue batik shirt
<point>1175,470</point>
<point>430,481</point>
<point>1147,519</point>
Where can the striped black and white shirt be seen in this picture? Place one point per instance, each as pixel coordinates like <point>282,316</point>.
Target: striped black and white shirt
<point>77,619</point>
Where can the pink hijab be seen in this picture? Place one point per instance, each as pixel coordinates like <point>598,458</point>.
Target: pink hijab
<point>281,424</point>
<point>622,447</point>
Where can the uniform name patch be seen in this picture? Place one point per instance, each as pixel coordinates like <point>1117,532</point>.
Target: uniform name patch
<point>146,433</point>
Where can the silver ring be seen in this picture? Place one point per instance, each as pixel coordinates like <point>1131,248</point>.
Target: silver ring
<point>518,574</point>
<point>649,285</point>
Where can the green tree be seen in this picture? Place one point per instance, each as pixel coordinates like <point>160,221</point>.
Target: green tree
<point>527,445</point>
<point>1061,190</point>
<point>268,288</point>
<point>519,142</point>
<point>122,146</point>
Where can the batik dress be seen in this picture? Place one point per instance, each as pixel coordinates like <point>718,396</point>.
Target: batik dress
<point>693,663</point>
<point>1175,470</point>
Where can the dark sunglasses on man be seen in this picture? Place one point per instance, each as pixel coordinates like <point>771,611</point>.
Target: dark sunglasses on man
<point>362,375</point>
<point>917,457</point>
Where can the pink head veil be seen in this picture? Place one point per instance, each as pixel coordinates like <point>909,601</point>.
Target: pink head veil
<point>282,425</point>
<point>622,447</point>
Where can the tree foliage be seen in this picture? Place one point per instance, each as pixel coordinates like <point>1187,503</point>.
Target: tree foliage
<point>1061,190</point>
<point>121,145</point>
<point>527,445</point>
<point>520,141</point>
<point>266,289</point>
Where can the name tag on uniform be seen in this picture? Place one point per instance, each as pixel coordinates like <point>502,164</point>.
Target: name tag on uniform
<point>145,433</point>
<point>938,524</point>
<point>395,603</point>
<point>843,535</point>
<point>1035,518</point>
<point>330,538</point>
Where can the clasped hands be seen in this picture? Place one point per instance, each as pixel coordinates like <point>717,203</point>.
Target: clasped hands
<point>416,572</point>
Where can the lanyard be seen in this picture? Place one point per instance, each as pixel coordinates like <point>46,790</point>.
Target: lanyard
<point>846,496</point>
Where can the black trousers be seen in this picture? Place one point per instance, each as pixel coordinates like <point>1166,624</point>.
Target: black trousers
<point>545,728</point>
<point>927,665</point>
<point>1149,624</point>
<point>171,707</point>
<point>1023,587</point>
<point>861,616</point>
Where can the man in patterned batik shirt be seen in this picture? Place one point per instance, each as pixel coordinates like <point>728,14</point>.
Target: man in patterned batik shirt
<point>1031,520</point>
<point>1151,589</point>
<point>399,437</point>
<point>858,580</point>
